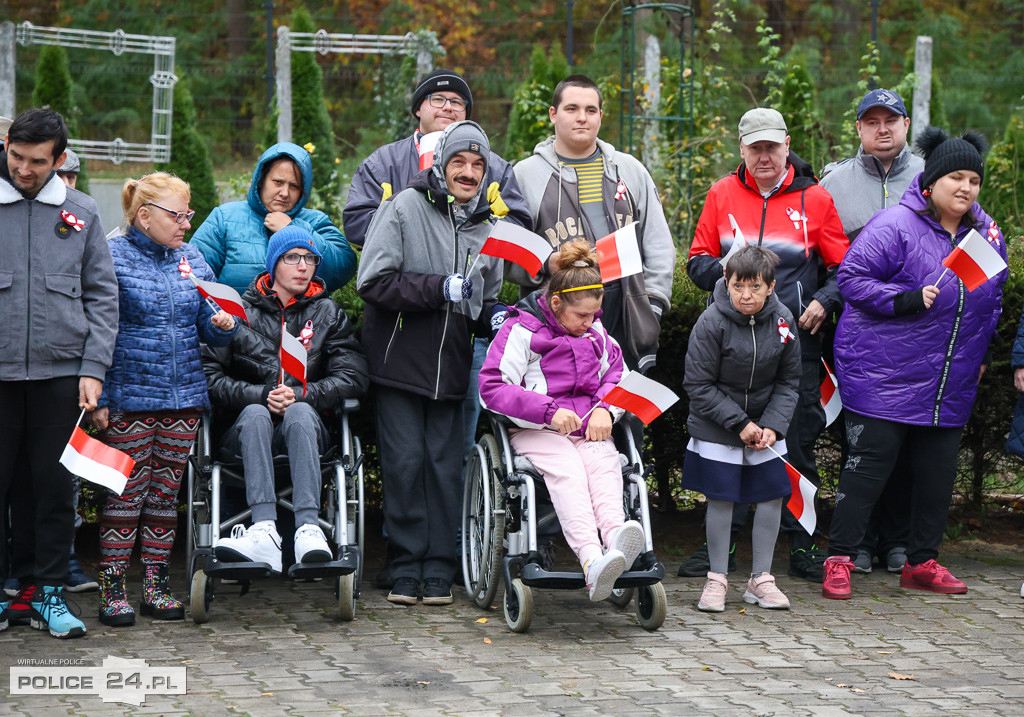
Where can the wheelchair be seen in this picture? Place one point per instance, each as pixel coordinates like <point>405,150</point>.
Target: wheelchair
<point>503,513</point>
<point>341,517</point>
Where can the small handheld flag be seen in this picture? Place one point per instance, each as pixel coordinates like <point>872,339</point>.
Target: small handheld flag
<point>618,254</point>
<point>738,241</point>
<point>293,357</point>
<point>831,403</point>
<point>974,260</point>
<point>521,246</point>
<point>96,461</point>
<point>222,295</point>
<point>644,398</point>
<point>801,500</point>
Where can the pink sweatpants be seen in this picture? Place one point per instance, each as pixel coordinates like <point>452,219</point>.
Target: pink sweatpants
<point>585,483</point>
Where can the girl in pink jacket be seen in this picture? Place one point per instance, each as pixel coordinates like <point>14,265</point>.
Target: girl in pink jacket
<point>546,371</point>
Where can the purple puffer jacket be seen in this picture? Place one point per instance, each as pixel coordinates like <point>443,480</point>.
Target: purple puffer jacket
<point>920,368</point>
<point>534,367</point>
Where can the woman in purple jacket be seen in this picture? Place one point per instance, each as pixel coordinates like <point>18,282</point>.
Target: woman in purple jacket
<point>547,370</point>
<point>910,351</point>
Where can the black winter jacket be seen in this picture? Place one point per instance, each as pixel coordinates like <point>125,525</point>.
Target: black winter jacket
<point>246,371</point>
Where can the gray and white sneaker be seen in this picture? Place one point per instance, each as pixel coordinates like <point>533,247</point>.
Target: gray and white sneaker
<point>895,559</point>
<point>629,539</point>
<point>260,543</point>
<point>601,574</point>
<point>862,563</point>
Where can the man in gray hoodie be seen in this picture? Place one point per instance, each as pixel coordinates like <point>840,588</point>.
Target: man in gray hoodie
<point>58,292</point>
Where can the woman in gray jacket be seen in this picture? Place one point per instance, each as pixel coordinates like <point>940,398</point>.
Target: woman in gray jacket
<point>742,375</point>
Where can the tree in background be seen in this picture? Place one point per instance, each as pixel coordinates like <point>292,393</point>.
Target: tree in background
<point>54,89</point>
<point>1002,194</point>
<point>190,158</point>
<point>530,122</point>
<point>311,124</point>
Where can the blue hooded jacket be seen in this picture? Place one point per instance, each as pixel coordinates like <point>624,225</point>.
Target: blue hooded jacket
<point>233,239</point>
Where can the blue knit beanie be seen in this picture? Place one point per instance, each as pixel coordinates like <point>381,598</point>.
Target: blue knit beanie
<point>288,238</point>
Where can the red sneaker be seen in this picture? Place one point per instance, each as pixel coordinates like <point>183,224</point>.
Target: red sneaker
<point>930,576</point>
<point>836,584</point>
<point>19,612</point>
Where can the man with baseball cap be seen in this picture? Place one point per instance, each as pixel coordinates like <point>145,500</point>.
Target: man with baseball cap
<point>69,171</point>
<point>773,200</point>
<point>428,291</point>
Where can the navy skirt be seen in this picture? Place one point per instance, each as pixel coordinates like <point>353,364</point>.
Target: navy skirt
<point>740,475</point>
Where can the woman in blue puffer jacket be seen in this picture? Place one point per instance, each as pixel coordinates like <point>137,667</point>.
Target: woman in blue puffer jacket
<point>155,390</point>
<point>910,351</point>
<point>233,239</point>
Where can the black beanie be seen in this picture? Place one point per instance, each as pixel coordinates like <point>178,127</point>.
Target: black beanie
<point>944,154</point>
<point>442,81</point>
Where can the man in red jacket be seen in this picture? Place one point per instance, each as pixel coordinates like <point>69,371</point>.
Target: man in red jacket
<point>773,200</point>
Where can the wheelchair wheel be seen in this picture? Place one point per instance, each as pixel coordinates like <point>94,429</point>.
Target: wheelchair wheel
<point>621,598</point>
<point>347,596</point>
<point>518,606</point>
<point>200,597</point>
<point>483,522</point>
<point>651,606</point>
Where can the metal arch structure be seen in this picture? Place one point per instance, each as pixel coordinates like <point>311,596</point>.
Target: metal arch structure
<point>158,149</point>
<point>323,43</point>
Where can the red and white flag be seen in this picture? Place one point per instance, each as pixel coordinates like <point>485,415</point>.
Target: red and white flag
<point>96,461</point>
<point>644,398</point>
<point>293,357</point>
<point>425,146</point>
<point>801,499</point>
<point>974,260</point>
<point>618,254</point>
<point>512,242</point>
<point>738,241</point>
<point>831,403</point>
<point>222,295</point>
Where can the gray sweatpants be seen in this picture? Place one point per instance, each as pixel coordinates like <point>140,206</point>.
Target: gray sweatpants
<point>256,439</point>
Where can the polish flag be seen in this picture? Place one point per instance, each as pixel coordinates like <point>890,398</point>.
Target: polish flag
<point>974,260</point>
<point>96,461</point>
<point>426,146</point>
<point>222,295</point>
<point>738,241</point>
<point>801,500</point>
<point>831,403</point>
<point>618,254</point>
<point>644,398</point>
<point>512,242</point>
<point>293,357</point>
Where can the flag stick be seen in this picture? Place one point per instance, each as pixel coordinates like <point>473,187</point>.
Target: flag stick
<point>940,276</point>
<point>777,454</point>
<point>213,305</point>
<point>472,266</point>
<point>80,416</point>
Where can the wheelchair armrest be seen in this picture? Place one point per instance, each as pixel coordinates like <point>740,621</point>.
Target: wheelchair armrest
<point>351,405</point>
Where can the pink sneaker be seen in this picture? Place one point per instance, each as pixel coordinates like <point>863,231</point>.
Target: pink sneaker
<point>713,597</point>
<point>836,583</point>
<point>763,591</point>
<point>931,576</point>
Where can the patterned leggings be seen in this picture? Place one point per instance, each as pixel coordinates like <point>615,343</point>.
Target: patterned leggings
<point>159,443</point>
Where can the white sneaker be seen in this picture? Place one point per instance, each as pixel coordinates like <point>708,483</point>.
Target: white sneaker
<point>259,543</point>
<point>602,573</point>
<point>311,545</point>
<point>629,539</point>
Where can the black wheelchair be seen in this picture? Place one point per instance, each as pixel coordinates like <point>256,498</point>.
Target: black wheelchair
<point>341,517</point>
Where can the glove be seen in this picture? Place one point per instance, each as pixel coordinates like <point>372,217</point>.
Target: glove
<point>457,288</point>
<point>498,206</point>
<point>498,316</point>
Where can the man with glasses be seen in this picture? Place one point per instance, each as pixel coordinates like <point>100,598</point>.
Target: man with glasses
<point>271,411</point>
<point>58,294</point>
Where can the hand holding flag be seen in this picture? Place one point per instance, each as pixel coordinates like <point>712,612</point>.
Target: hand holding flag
<point>618,254</point>
<point>96,461</point>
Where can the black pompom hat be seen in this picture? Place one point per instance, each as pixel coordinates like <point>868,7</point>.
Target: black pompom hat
<point>944,154</point>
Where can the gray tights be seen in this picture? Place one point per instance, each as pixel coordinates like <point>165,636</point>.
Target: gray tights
<point>764,533</point>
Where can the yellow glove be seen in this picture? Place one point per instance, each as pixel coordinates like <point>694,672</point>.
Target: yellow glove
<point>387,192</point>
<point>498,206</point>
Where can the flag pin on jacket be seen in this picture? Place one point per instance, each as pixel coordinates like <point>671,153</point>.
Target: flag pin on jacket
<point>72,221</point>
<point>306,335</point>
<point>184,267</point>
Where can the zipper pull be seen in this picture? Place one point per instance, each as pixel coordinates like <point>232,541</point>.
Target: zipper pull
<point>752,322</point>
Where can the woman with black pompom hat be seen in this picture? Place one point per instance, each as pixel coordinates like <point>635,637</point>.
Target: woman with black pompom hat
<point>910,350</point>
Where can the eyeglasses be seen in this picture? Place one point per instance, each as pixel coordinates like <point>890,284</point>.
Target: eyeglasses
<point>440,101</point>
<point>179,217</point>
<point>294,259</point>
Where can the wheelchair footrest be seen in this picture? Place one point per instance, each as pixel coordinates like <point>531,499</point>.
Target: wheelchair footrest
<point>534,575</point>
<point>240,571</point>
<point>333,568</point>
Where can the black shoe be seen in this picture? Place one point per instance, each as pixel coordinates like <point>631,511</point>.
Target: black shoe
<point>807,564</point>
<point>405,592</point>
<point>698,565</point>
<point>437,591</point>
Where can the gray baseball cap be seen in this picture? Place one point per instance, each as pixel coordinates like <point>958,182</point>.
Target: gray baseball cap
<point>5,124</point>
<point>71,164</point>
<point>763,124</point>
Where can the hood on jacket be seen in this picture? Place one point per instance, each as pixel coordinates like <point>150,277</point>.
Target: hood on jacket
<point>546,150</point>
<point>438,196</point>
<point>293,152</point>
<point>799,175</point>
<point>724,303</point>
<point>260,293</point>
<point>915,201</point>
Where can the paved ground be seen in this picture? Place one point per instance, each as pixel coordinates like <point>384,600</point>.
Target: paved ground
<point>282,650</point>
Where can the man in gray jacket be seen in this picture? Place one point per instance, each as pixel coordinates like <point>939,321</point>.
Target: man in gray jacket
<point>862,185</point>
<point>580,187</point>
<point>58,294</point>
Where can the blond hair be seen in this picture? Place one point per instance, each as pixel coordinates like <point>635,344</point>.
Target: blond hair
<point>576,273</point>
<point>137,192</point>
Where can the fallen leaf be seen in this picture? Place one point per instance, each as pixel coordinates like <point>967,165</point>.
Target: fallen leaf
<point>898,676</point>
<point>829,679</point>
<point>422,682</point>
<point>706,668</point>
<point>840,684</point>
<point>268,694</point>
<point>883,652</point>
<point>742,610</point>
<point>483,619</point>
<point>856,689</point>
<point>487,641</point>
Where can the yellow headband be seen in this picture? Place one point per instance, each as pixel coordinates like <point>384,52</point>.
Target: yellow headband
<point>580,288</point>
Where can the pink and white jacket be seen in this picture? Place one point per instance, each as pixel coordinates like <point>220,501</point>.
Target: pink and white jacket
<point>534,367</point>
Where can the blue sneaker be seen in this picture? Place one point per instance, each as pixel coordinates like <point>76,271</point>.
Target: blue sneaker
<point>51,613</point>
<point>3,616</point>
<point>77,581</point>
<point>12,586</point>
